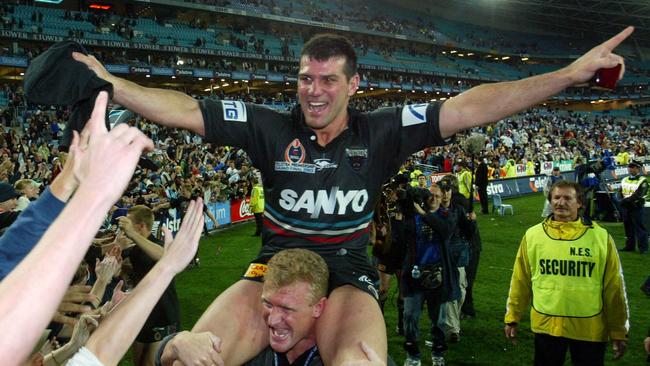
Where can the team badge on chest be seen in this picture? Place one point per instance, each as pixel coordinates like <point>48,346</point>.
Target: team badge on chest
<point>295,152</point>
<point>356,157</point>
<point>293,160</point>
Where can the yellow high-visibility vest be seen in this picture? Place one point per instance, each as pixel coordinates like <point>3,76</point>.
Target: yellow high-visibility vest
<point>567,275</point>
<point>629,186</point>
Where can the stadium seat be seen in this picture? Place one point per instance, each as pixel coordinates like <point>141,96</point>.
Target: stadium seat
<point>499,206</point>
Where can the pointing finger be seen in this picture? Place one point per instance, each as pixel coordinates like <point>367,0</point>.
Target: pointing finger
<point>613,42</point>
<point>97,122</point>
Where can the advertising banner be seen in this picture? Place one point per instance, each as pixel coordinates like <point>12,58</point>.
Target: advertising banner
<point>511,187</point>
<point>164,71</point>
<point>203,73</point>
<point>521,170</point>
<point>221,212</point>
<point>240,210</point>
<point>546,167</point>
<point>13,61</point>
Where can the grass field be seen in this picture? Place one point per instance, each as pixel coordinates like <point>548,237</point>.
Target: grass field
<point>482,340</point>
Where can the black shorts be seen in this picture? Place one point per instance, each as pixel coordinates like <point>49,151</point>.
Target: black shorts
<point>346,267</point>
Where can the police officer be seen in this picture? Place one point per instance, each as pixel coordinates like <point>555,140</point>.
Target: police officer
<point>257,205</point>
<point>633,190</point>
<point>568,267</point>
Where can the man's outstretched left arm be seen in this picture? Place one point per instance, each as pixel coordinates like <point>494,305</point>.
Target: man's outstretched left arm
<point>489,103</point>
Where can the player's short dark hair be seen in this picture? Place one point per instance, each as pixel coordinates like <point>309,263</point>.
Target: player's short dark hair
<point>324,46</point>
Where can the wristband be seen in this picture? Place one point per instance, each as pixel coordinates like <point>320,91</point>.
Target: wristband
<point>161,348</point>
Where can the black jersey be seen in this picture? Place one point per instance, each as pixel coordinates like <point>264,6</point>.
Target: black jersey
<point>316,197</point>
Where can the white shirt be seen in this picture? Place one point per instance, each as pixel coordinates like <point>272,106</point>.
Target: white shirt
<point>84,357</point>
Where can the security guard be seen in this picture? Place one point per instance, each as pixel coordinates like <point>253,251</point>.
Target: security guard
<point>257,205</point>
<point>569,269</point>
<point>464,179</point>
<point>633,190</point>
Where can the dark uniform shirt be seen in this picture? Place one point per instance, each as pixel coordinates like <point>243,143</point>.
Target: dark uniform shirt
<point>165,316</point>
<point>268,357</point>
<point>316,197</point>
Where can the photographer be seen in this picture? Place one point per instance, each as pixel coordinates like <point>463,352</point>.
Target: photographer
<point>387,236</point>
<point>428,272</point>
<point>464,249</point>
<point>588,175</point>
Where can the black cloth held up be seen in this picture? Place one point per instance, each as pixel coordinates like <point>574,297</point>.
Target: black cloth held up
<point>54,78</point>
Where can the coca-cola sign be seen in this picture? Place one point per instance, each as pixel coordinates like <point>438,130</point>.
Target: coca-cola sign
<point>240,210</point>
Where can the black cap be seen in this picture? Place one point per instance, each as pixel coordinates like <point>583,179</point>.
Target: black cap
<point>634,163</point>
<point>7,192</point>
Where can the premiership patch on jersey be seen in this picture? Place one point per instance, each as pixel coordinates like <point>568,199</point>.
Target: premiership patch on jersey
<point>295,152</point>
<point>283,166</point>
<point>414,114</point>
<point>356,157</point>
<point>256,270</point>
<point>234,111</point>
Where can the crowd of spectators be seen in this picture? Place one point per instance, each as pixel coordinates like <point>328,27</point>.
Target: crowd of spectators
<point>245,35</point>
<point>338,12</point>
<point>548,135</point>
<point>182,165</point>
<point>535,136</point>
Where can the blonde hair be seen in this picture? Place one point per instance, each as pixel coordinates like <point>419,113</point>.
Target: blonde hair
<point>141,214</point>
<point>298,265</point>
<point>23,183</point>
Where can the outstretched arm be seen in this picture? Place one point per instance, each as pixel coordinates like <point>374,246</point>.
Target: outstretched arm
<point>116,333</point>
<point>489,103</point>
<point>166,107</point>
<point>105,165</point>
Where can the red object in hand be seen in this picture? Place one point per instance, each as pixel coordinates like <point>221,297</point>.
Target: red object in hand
<point>607,78</point>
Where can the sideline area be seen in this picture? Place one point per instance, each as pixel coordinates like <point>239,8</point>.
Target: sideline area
<point>482,340</point>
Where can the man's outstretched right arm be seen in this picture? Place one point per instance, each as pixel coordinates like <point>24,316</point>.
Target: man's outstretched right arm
<point>166,107</point>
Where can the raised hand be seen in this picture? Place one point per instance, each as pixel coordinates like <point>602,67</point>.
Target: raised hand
<point>179,251</point>
<point>106,160</point>
<point>107,268</point>
<point>125,224</point>
<point>86,324</point>
<point>72,303</point>
<point>93,64</point>
<point>599,57</point>
<point>118,294</point>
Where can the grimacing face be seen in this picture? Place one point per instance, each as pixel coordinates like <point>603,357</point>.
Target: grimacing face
<point>290,315</point>
<point>565,204</point>
<point>324,91</point>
